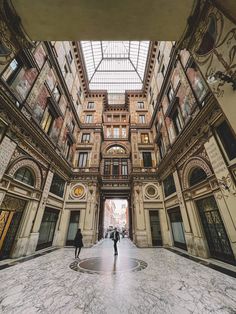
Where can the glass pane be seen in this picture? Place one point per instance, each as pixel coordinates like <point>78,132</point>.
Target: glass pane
<point>178,234</point>
<point>115,66</point>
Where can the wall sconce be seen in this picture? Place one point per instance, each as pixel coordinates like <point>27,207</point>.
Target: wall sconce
<point>223,77</point>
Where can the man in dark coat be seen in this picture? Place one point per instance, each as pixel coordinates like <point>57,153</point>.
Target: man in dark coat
<point>78,243</point>
<point>115,238</point>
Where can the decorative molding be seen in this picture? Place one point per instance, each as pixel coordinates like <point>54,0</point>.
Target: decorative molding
<point>151,191</point>
<point>191,164</point>
<point>29,164</point>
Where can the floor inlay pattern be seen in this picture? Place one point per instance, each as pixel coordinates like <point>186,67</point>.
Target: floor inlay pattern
<point>101,265</point>
<point>170,284</point>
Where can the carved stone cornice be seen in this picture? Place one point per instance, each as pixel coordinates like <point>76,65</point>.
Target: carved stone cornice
<point>12,33</point>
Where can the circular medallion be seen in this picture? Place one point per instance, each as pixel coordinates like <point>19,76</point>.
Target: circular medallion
<point>78,191</point>
<point>151,191</point>
<point>111,265</point>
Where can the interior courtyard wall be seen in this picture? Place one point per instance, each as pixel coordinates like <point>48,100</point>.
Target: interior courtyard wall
<point>218,56</point>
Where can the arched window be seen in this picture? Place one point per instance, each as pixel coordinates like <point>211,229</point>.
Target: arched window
<point>25,175</point>
<point>197,175</point>
<point>116,150</point>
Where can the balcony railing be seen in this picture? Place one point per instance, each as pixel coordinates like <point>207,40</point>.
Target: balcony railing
<point>115,177</point>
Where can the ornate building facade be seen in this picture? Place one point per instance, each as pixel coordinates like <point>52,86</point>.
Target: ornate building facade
<point>168,148</point>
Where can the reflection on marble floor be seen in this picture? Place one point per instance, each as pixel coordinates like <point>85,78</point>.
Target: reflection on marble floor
<point>169,284</point>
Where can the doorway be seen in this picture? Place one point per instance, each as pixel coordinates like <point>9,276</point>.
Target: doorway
<point>11,212</point>
<point>47,228</point>
<point>116,214</point>
<point>73,227</point>
<point>177,228</point>
<point>216,236</point>
<point>155,228</point>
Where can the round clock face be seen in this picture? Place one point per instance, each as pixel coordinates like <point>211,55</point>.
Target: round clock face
<point>78,191</point>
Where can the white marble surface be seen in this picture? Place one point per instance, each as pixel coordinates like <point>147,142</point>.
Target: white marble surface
<point>170,284</point>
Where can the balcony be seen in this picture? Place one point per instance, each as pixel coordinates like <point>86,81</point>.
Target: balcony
<point>115,177</point>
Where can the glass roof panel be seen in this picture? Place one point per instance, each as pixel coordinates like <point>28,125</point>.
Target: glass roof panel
<point>115,66</point>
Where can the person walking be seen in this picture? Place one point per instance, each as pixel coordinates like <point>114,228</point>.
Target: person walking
<point>78,243</point>
<point>116,238</point>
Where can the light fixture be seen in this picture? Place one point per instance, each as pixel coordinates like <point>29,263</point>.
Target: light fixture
<point>223,77</point>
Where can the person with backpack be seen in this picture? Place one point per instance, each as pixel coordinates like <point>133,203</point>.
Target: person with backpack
<point>115,236</point>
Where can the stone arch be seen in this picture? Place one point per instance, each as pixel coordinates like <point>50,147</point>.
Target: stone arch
<point>32,166</point>
<point>190,165</point>
<point>110,145</point>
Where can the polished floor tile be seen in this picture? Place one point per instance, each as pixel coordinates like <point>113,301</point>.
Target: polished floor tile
<point>169,284</point>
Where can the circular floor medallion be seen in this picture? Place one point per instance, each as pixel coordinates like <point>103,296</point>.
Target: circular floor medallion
<point>108,265</point>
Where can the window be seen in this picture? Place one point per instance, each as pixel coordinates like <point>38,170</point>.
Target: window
<point>153,104</point>
<point>144,138</point>
<point>123,118</point>
<point>107,167</point>
<point>47,121</point>
<point>25,175</point>
<point>72,128</point>
<point>197,175</point>
<point>65,70</point>
<point>163,69</point>
<point>227,139</point>
<point>116,132</point>
<point>114,150</point>
<point>124,167</point>
<point>86,138</point>
<point>147,159</point>
<point>150,91</point>
<point>79,91</point>
<point>123,130</point>
<point>115,167</point>
<point>56,94</point>
<point>109,132</point>
<point>90,105</point>
<point>70,57</point>
<point>170,93</point>
<point>158,56</point>
<point>11,71</point>
<point>140,105</point>
<point>57,186</point>
<point>169,185</point>
<point>141,118</point>
<point>108,118</point>
<point>89,118</point>
<point>68,148</point>
<point>116,118</point>
<point>83,159</point>
<point>161,147</point>
<point>178,125</point>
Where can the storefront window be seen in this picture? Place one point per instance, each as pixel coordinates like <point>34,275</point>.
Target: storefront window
<point>177,228</point>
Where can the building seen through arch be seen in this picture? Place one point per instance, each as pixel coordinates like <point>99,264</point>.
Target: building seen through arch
<point>85,122</point>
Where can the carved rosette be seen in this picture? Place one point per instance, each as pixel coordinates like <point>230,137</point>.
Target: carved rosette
<point>151,192</point>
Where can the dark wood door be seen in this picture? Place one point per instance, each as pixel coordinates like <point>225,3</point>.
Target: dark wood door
<point>155,228</point>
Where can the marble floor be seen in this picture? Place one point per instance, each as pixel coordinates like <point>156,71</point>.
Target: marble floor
<point>169,284</point>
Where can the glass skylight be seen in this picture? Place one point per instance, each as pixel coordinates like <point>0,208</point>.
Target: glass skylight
<point>115,66</point>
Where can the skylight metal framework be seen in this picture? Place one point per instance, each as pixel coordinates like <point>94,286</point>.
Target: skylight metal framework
<point>115,66</point>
